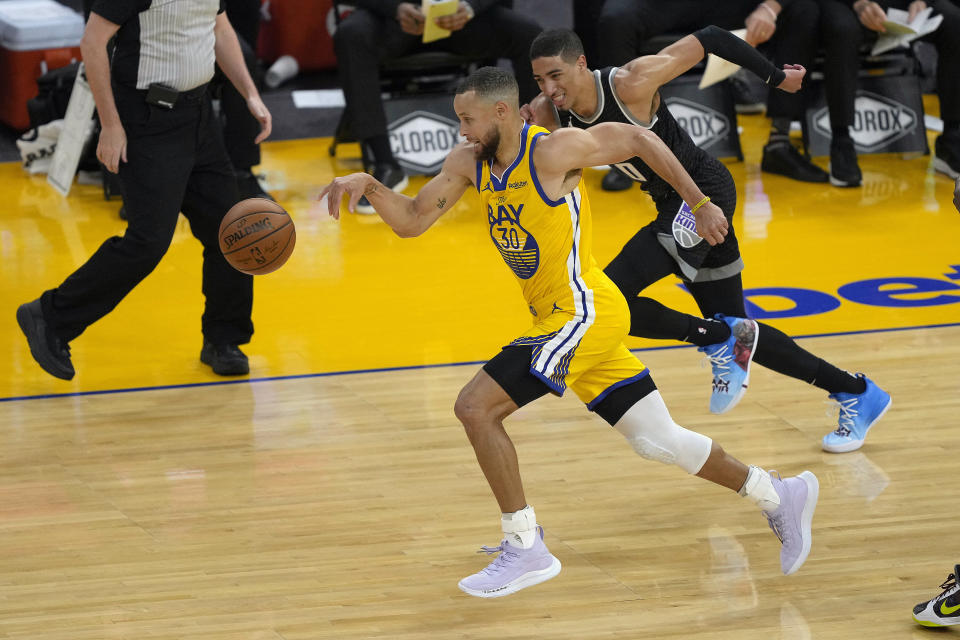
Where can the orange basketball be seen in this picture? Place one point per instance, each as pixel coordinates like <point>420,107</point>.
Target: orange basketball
<point>257,236</point>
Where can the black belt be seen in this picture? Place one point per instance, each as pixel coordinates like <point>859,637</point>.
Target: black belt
<point>196,94</point>
<point>190,96</point>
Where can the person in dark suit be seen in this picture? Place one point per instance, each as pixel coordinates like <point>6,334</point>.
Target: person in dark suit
<point>382,29</point>
<point>846,26</point>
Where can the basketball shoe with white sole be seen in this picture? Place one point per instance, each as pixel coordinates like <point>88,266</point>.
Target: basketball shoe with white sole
<point>944,610</point>
<point>791,521</point>
<point>514,569</point>
<point>730,362</point>
<point>858,412</point>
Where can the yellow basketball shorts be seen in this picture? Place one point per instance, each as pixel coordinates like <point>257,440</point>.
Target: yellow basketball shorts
<point>581,347</point>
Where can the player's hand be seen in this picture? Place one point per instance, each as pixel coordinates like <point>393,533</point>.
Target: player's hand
<point>537,111</point>
<point>956,195</point>
<point>712,225</point>
<point>871,15</point>
<point>526,112</point>
<point>455,21</point>
<point>411,18</point>
<point>761,25</point>
<point>794,79</point>
<point>112,147</point>
<point>915,7</point>
<point>262,114</point>
<point>354,186</point>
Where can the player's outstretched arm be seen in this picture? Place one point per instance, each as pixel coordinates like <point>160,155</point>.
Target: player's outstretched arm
<point>650,72</point>
<point>408,217</point>
<point>612,142</point>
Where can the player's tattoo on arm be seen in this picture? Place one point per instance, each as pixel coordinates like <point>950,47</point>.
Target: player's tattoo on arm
<point>370,189</point>
<point>441,203</point>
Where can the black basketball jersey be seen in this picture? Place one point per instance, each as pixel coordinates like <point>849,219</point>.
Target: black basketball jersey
<point>674,224</point>
<point>698,163</point>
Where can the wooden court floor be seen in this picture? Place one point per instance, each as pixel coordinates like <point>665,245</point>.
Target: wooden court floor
<point>334,495</point>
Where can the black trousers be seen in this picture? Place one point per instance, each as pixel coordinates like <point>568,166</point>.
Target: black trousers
<point>175,162</point>
<point>625,25</point>
<point>842,37</point>
<point>364,39</point>
<point>643,261</point>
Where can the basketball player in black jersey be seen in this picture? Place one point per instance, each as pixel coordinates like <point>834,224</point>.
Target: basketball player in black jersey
<point>685,242</point>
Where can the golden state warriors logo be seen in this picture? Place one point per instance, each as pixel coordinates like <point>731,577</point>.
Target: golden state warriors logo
<point>518,248</point>
<point>685,228</point>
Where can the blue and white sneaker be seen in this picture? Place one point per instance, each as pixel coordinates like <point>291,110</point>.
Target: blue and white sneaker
<point>730,361</point>
<point>858,412</point>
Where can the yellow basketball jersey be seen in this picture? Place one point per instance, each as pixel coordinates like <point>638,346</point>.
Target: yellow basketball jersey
<point>546,243</point>
<point>581,317</point>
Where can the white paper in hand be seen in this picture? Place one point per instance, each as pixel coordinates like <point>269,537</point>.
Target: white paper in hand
<point>901,33</point>
<point>719,69</point>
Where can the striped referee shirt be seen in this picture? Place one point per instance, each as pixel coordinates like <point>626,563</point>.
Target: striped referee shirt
<point>169,42</point>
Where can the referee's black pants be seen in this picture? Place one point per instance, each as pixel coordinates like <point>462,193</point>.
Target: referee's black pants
<point>625,25</point>
<point>843,36</point>
<point>175,162</point>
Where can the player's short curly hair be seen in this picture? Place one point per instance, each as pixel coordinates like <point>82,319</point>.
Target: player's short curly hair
<point>492,84</point>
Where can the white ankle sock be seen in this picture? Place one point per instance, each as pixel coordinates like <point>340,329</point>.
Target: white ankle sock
<point>758,487</point>
<point>520,527</point>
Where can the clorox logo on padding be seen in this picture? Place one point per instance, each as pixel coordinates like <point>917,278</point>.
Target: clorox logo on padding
<point>421,140</point>
<point>703,124</point>
<point>877,121</point>
<point>685,228</point>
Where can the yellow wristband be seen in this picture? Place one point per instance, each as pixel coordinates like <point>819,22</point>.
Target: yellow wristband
<point>705,200</point>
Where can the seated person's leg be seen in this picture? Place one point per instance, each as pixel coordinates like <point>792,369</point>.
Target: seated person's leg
<point>794,42</point>
<point>625,25</point>
<point>362,41</point>
<point>948,88</point>
<point>499,33</point>
<point>842,35</point>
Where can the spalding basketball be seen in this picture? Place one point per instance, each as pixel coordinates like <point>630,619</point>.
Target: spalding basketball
<point>257,236</point>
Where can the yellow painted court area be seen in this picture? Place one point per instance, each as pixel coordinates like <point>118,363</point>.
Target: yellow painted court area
<point>354,296</point>
<point>348,507</point>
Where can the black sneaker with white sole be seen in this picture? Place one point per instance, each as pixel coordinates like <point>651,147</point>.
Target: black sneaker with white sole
<point>947,159</point>
<point>391,176</point>
<point>844,170</point>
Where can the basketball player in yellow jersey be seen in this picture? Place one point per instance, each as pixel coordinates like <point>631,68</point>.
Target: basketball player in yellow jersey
<point>531,186</point>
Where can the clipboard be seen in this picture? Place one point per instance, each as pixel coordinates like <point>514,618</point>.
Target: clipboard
<point>433,9</point>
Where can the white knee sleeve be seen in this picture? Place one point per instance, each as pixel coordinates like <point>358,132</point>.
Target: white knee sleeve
<point>653,434</point>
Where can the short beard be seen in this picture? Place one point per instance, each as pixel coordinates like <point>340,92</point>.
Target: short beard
<point>488,147</point>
